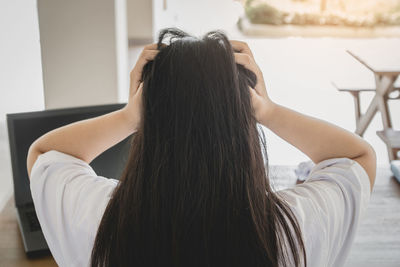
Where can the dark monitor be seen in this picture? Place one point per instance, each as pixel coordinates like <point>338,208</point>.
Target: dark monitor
<point>25,128</point>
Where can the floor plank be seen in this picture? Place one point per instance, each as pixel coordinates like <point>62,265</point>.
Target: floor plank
<point>378,238</point>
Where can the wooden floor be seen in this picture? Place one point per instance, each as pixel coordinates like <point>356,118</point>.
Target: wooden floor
<point>378,239</point>
<point>377,242</point>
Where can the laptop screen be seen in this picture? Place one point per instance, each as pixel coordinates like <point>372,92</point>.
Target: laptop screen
<point>25,128</point>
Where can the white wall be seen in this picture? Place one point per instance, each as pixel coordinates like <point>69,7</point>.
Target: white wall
<point>21,84</point>
<point>196,17</point>
<point>21,87</point>
<point>140,19</point>
<point>59,54</point>
<point>121,39</point>
<point>84,51</point>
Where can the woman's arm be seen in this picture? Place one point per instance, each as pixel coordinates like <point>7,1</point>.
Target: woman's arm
<point>318,139</point>
<point>88,138</point>
<point>84,139</point>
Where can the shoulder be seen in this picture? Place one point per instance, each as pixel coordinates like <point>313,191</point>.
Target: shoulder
<point>340,170</point>
<point>56,175</point>
<point>70,199</point>
<point>329,206</point>
<point>339,177</point>
<point>54,168</point>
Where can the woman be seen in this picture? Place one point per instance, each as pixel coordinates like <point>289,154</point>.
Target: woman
<point>195,191</point>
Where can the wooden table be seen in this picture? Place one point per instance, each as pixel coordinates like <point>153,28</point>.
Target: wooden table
<point>385,66</point>
<point>12,252</point>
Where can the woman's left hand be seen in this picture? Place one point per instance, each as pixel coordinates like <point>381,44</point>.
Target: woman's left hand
<point>133,109</point>
<point>260,100</point>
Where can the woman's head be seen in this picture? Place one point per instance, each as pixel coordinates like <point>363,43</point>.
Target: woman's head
<point>195,191</point>
<point>194,91</point>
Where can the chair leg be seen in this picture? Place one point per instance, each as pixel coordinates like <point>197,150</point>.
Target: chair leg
<point>385,114</point>
<point>392,153</point>
<point>395,154</point>
<point>356,99</point>
<point>357,110</point>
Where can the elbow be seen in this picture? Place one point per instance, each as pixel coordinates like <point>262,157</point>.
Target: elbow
<point>370,165</point>
<point>367,160</point>
<point>33,154</point>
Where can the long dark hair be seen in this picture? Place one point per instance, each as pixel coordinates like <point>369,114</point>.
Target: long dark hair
<point>195,191</point>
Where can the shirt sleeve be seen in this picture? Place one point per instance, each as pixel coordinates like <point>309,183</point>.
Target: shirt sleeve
<point>69,200</point>
<point>329,206</point>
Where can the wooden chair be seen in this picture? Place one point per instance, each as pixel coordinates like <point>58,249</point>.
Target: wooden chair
<point>355,93</point>
<point>392,140</point>
<point>389,136</point>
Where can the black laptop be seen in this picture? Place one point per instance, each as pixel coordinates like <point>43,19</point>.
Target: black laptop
<point>23,129</point>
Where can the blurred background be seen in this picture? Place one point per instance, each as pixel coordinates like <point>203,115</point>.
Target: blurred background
<point>56,54</point>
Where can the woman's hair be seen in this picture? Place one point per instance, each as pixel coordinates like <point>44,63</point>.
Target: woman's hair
<point>195,191</point>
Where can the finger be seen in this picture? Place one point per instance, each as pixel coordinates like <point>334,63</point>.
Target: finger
<point>145,56</point>
<point>246,61</point>
<point>241,47</point>
<point>162,45</point>
<point>254,96</point>
<point>150,47</point>
<point>148,55</point>
<point>154,46</point>
<point>139,91</point>
<point>253,92</point>
<point>249,63</point>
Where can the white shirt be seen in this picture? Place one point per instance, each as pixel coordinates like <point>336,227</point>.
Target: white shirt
<point>70,200</point>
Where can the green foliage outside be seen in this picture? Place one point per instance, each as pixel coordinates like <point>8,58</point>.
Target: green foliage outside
<point>367,13</point>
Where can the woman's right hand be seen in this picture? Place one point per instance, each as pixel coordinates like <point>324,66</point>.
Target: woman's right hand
<point>261,102</point>
<point>132,110</point>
